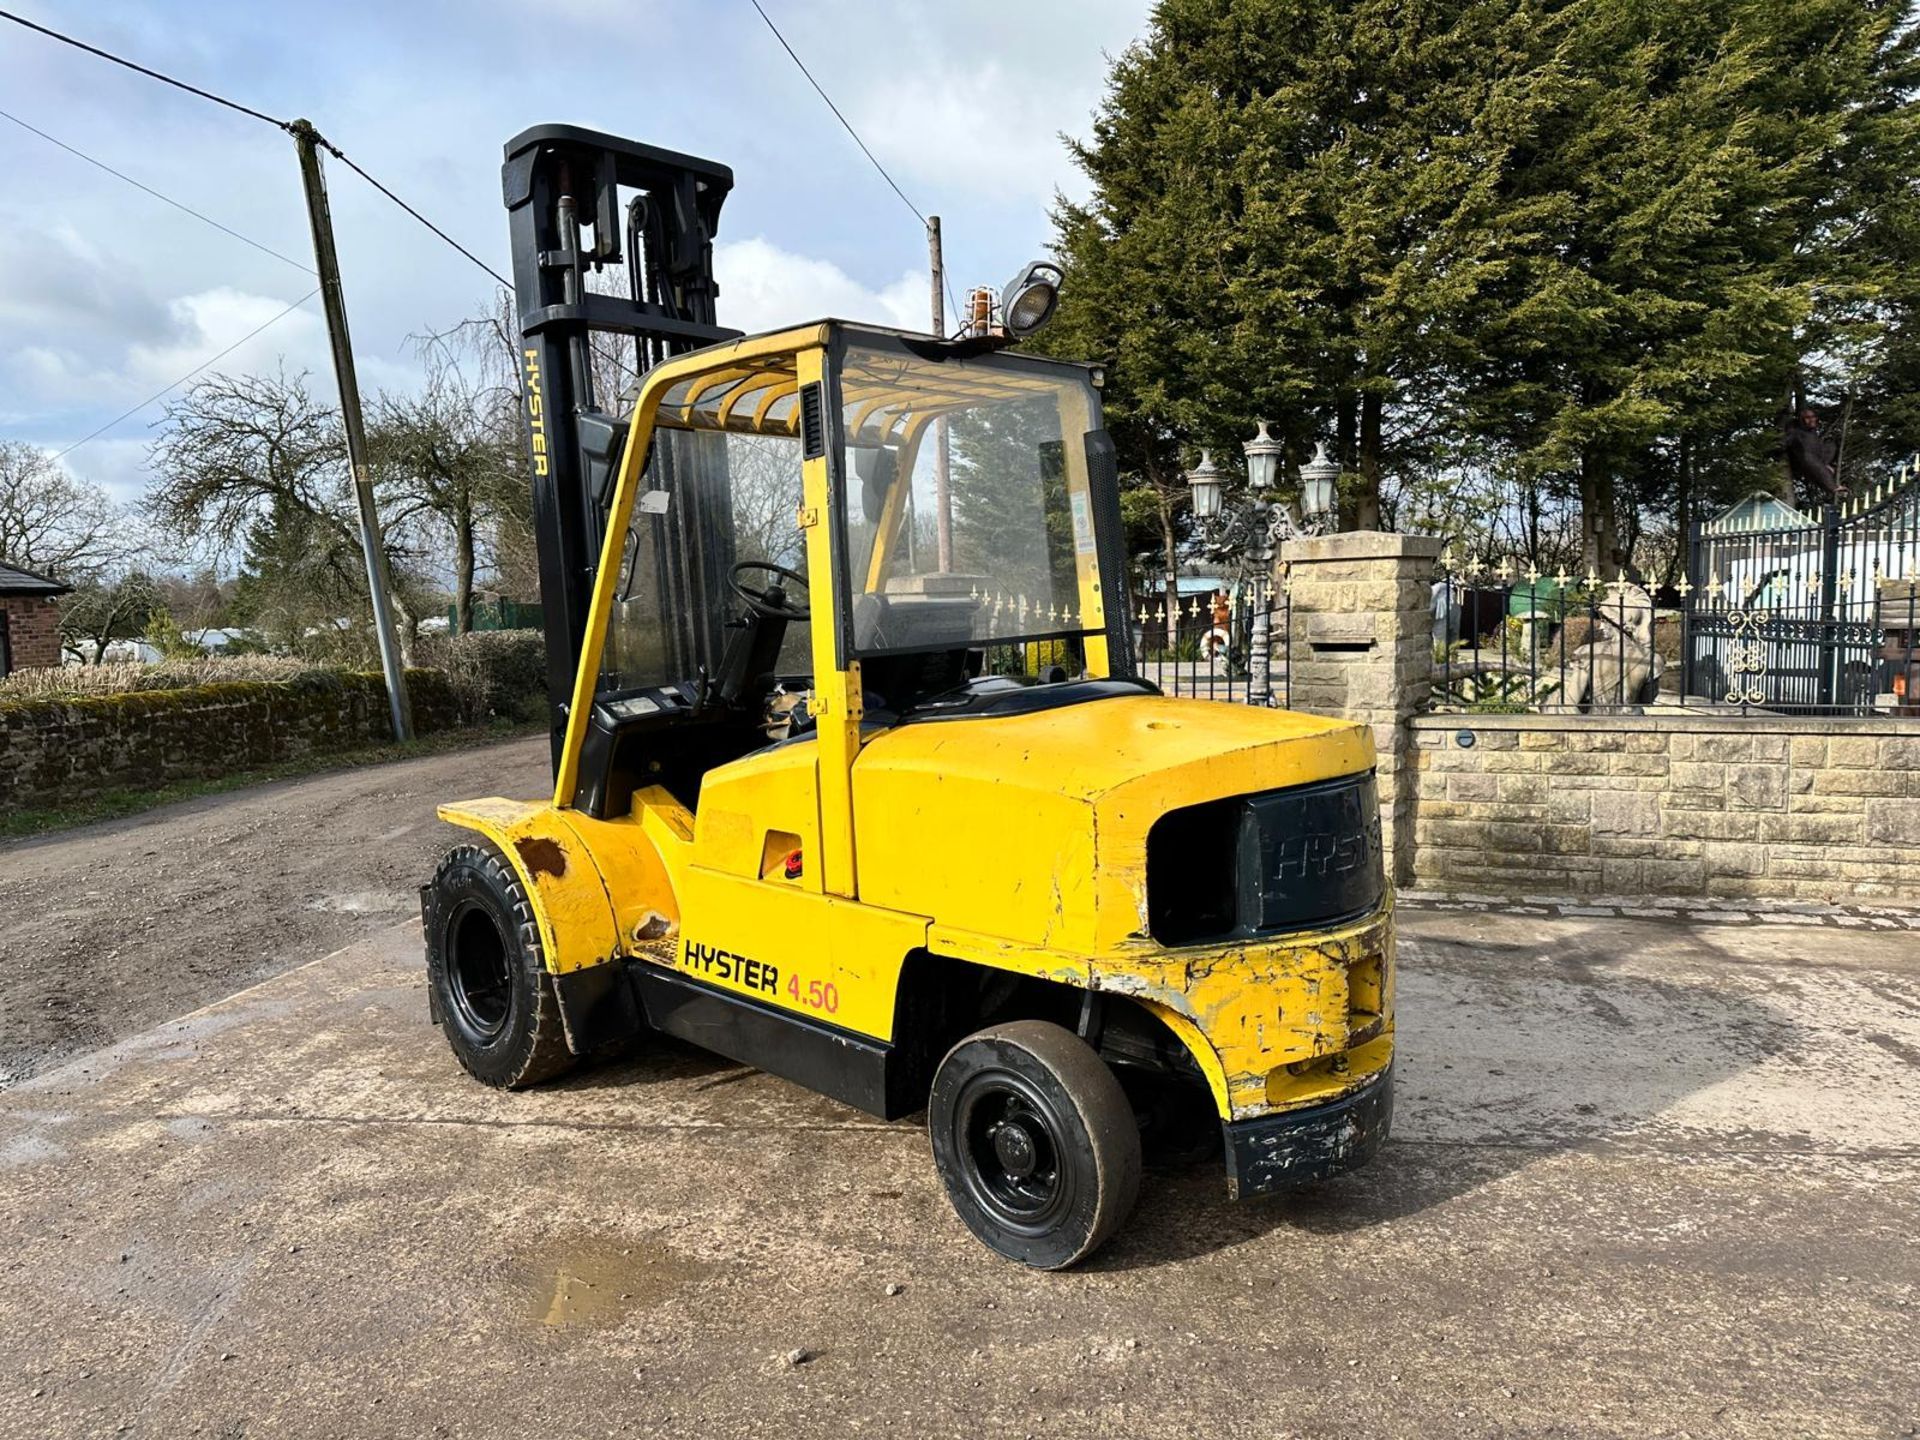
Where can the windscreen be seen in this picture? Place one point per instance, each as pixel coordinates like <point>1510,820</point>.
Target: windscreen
<point>707,502</point>
<point>969,519</point>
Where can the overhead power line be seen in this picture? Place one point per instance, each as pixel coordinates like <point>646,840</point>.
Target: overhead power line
<point>151,74</point>
<point>342,157</point>
<point>847,125</point>
<point>836,113</point>
<point>161,394</point>
<point>168,199</point>
<point>248,110</point>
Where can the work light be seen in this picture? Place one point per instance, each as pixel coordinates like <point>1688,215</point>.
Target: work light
<point>1028,299</point>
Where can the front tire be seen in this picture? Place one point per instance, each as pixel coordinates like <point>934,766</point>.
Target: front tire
<point>1036,1142</point>
<point>492,995</point>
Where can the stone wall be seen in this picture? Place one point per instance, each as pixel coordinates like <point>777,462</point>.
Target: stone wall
<point>33,631</point>
<point>55,752</point>
<point>1360,646</point>
<point>1768,807</point>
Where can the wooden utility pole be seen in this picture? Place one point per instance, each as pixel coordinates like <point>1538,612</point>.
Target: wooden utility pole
<point>373,546</point>
<point>942,475</point>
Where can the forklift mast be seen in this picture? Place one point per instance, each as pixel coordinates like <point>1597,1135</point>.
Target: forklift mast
<point>563,189</point>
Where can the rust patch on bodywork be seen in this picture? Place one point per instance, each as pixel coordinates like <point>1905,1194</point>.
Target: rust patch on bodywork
<point>542,854</point>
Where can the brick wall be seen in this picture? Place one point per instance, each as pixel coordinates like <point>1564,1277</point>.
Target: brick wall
<point>55,752</point>
<point>1767,807</point>
<point>33,631</point>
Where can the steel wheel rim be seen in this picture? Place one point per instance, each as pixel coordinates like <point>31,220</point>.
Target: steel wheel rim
<point>479,974</point>
<point>1011,1142</point>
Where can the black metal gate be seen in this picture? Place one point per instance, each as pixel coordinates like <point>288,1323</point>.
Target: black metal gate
<point>1790,611</point>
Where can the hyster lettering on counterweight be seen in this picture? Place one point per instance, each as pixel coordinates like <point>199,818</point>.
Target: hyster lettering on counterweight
<point>721,964</point>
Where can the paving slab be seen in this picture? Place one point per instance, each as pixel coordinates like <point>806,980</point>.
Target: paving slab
<point>1647,1178</point>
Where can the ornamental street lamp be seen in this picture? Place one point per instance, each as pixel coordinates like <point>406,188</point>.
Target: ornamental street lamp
<point>1263,460</point>
<point>1208,486</point>
<point>1240,532</point>
<point>1317,504</point>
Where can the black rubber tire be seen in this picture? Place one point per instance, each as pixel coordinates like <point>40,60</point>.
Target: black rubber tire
<point>492,995</point>
<point>1053,1089</point>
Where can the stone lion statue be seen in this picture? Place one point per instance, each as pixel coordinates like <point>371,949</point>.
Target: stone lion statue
<point>1616,665</point>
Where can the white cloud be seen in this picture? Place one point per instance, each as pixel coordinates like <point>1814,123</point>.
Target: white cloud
<point>58,281</point>
<point>118,465</point>
<point>200,326</point>
<point>977,130</point>
<point>763,287</point>
<point>209,321</point>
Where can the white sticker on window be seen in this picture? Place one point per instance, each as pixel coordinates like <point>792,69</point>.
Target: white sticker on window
<point>1082,523</point>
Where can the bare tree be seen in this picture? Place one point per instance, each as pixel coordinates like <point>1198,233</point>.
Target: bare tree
<point>487,355</point>
<point>763,472</point>
<point>255,465</point>
<point>447,463</point>
<point>49,521</point>
<point>100,612</point>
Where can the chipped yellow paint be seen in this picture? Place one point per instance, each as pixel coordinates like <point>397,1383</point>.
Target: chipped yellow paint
<point>1271,1011</point>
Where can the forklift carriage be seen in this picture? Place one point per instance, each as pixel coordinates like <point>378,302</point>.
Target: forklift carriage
<point>854,780</point>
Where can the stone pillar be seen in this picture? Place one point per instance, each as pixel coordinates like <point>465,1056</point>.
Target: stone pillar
<point>1361,647</point>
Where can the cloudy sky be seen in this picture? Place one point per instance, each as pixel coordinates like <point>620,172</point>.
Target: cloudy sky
<point>106,294</point>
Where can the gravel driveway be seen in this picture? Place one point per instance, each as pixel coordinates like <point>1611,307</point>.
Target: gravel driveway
<point>115,926</point>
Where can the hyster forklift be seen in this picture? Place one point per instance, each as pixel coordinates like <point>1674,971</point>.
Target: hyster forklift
<point>853,778</point>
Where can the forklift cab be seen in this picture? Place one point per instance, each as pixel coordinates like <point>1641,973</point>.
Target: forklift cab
<point>846,525</point>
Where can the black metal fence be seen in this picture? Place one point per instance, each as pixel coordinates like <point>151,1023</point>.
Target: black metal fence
<point>1509,640</point>
<point>1808,613</point>
<point>1210,646</point>
<point>1814,618</point>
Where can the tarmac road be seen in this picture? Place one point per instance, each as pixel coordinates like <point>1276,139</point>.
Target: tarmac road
<point>1649,1177</point>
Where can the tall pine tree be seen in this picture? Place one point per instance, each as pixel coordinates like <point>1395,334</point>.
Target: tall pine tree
<point>1596,243</point>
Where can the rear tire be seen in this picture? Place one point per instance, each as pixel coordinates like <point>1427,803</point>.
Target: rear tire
<point>492,995</point>
<point>1036,1142</point>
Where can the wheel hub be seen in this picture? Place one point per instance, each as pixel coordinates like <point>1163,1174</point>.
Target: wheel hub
<point>479,974</point>
<point>1013,1147</point>
<point>1010,1145</point>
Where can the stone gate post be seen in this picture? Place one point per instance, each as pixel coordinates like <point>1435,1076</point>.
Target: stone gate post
<point>1361,647</point>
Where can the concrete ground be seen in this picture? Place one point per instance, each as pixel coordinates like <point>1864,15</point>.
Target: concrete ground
<point>1649,1177</point>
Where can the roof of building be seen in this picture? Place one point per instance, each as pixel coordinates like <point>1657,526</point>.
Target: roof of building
<point>1760,511</point>
<point>15,581</point>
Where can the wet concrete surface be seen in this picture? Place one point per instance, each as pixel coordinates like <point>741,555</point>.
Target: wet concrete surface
<point>1647,1178</point>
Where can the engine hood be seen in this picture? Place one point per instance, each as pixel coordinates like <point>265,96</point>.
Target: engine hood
<point>1032,828</point>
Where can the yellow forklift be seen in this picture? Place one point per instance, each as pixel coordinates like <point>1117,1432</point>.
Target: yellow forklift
<point>853,779</point>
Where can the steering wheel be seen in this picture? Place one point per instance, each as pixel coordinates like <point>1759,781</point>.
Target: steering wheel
<point>772,600</point>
